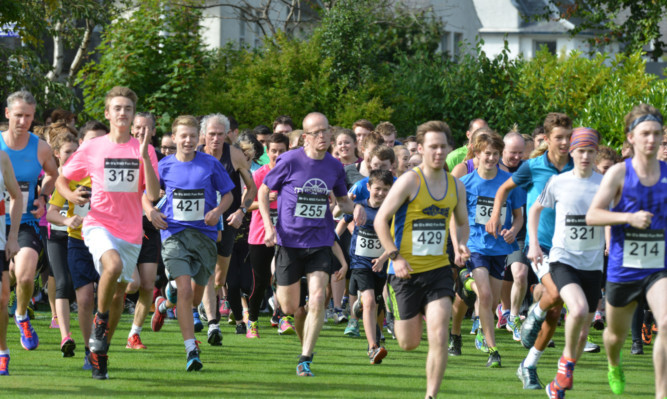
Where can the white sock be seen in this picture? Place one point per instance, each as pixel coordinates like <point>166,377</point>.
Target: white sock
<point>190,345</point>
<point>512,317</point>
<point>532,358</point>
<point>163,307</point>
<point>4,352</point>
<point>22,317</point>
<point>135,330</point>
<point>541,314</point>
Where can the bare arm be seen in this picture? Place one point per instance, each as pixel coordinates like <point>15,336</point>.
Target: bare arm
<point>12,245</point>
<point>48,162</point>
<point>461,218</point>
<point>151,179</point>
<point>493,225</point>
<point>517,221</point>
<point>534,251</point>
<point>269,230</point>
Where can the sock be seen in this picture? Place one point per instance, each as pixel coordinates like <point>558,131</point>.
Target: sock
<point>213,322</point>
<point>135,330</point>
<point>163,307</point>
<point>4,352</point>
<point>512,317</point>
<point>303,358</point>
<point>22,317</point>
<point>532,358</point>
<point>104,316</point>
<point>541,314</point>
<point>190,345</point>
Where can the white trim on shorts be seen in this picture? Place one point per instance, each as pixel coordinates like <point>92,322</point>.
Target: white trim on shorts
<point>99,240</point>
<point>543,269</point>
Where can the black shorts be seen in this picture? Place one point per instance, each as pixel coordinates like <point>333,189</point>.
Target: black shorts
<point>150,244</point>
<point>518,257</point>
<point>366,279</point>
<point>294,263</point>
<point>621,294</point>
<point>29,237</point>
<point>226,243</point>
<point>589,281</point>
<point>409,297</point>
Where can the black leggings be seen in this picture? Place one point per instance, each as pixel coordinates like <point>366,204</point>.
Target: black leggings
<point>56,247</point>
<point>260,260</point>
<point>239,278</point>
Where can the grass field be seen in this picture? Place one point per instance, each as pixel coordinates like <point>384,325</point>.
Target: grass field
<point>244,368</point>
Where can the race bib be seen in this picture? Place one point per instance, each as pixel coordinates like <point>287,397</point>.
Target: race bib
<point>579,236</point>
<point>63,213</point>
<point>644,249</point>
<point>82,210</point>
<point>121,175</point>
<point>368,244</point>
<point>273,214</point>
<point>484,209</point>
<point>311,206</point>
<point>428,236</point>
<point>24,186</point>
<point>188,205</point>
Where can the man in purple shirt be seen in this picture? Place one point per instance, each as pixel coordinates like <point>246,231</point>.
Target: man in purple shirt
<point>304,232</point>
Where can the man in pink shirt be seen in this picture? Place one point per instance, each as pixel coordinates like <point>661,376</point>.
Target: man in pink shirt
<point>120,168</point>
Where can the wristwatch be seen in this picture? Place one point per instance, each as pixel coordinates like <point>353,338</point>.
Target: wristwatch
<point>244,210</point>
<point>393,255</point>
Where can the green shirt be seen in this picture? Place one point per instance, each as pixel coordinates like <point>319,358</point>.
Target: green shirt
<point>264,159</point>
<point>456,157</point>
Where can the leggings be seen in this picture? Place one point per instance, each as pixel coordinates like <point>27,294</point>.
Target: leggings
<point>239,278</point>
<point>56,247</point>
<point>260,260</point>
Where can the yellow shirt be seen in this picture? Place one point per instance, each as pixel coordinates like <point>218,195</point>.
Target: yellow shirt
<point>419,227</point>
<point>60,201</point>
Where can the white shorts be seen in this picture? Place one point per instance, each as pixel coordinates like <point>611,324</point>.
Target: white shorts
<point>543,269</point>
<point>99,240</point>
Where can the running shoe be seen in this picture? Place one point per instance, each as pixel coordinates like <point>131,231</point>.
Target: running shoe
<point>98,339</point>
<point>616,379</point>
<point>134,341</point>
<point>590,346</point>
<point>390,324</point>
<point>99,362</point>
<point>358,308</point>
<point>157,321</point>
<point>54,322</point>
<point>530,328</point>
<point>339,316</point>
<point>502,317</point>
<point>253,330</point>
<point>225,309</point>
<point>637,348</point>
<point>475,325</point>
<point>303,369</point>
<point>202,312</point>
<point>193,362</point>
<point>286,325</point>
<point>214,335</point>
<point>11,308</point>
<point>551,344</point>
<point>171,293</point>
<point>170,314</point>
<point>275,319</point>
<point>86,361</point>
<point>455,345</point>
<point>352,329</point>
<point>480,342</point>
<point>598,322</point>
<point>554,391</point>
<point>67,346</point>
<point>376,354</point>
<point>565,373</point>
<point>129,306</point>
<point>4,364</point>
<point>514,326</point>
<point>241,329</point>
<point>528,376</point>
<point>29,339</point>
<point>647,334</point>
<point>344,304</point>
<point>197,321</point>
<point>468,296</point>
<point>494,360</point>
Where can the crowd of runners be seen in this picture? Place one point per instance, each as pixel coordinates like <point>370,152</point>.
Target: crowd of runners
<point>355,225</point>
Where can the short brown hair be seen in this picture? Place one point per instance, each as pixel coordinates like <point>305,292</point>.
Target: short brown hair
<point>283,120</point>
<point>62,139</point>
<point>120,91</point>
<point>639,111</point>
<point>607,153</point>
<point>184,120</point>
<point>365,123</point>
<point>386,129</point>
<point>55,130</point>
<point>485,140</point>
<point>383,153</point>
<point>554,120</point>
<point>372,139</point>
<point>433,126</point>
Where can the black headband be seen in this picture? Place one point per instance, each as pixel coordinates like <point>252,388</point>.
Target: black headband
<point>647,117</point>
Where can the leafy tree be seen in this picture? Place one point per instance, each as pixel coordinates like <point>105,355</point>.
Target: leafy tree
<point>158,52</point>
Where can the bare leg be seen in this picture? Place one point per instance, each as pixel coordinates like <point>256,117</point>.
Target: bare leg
<point>656,301</point>
<point>437,316</point>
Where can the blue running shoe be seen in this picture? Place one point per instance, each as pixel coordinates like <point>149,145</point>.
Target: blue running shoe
<point>194,364</point>
<point>303,369</point>
<point>530,328</point>
<point>4,364</point>
<point>86,361</point>
<point>514,326</point>
<point>475,325</point>
<point>29,339</point>
<point>198,324</point>
<point>480,342</point>
<point>171,293</point>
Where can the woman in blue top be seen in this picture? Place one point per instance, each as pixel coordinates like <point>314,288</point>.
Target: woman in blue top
<point>637,190</point>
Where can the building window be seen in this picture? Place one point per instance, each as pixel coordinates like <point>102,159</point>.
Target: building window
<point>550,45</point>
<point>458,41</point>
<point>445,46</point>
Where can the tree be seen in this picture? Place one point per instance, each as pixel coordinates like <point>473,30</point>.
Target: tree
<point>158,52</point>
<point>635,23</point>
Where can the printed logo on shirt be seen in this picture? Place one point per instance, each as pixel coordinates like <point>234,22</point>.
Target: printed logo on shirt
<point>312,199</point>
<point>434,211</point>
<point>664,180</point>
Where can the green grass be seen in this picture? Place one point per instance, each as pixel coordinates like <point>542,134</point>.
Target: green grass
<point>244,368</point>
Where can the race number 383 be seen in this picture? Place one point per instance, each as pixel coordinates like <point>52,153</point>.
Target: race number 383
<point>428,236</point>
<point>121,175</point>
<point>644,249</point>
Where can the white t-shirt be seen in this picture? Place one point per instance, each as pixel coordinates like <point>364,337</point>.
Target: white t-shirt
<point>574,243</point>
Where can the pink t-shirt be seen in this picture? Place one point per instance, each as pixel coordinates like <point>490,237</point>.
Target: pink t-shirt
<point>117,176</point>
<point>256,232</point>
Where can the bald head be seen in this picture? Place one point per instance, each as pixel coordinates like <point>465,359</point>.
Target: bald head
<point>515,146</point>
<point>314,118</point>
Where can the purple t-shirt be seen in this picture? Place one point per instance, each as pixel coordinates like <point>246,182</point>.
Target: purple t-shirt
<point>303,185</point>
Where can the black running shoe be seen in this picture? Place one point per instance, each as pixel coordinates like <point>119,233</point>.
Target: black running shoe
<point>98,340</point>
<point>99,362</point>
<point>241,328</point>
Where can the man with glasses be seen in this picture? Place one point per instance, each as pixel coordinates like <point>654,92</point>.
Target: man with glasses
<point>304,232</point>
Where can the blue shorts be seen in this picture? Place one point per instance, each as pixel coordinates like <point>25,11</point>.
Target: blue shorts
<point>495,264</point>
<point>81,265</point>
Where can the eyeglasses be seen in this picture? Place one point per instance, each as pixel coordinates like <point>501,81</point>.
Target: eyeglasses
<point>322,132</point>
<point>664,144</point>
<point>168,148</point>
